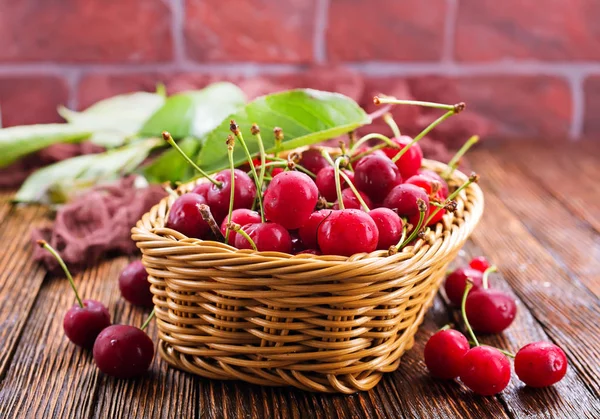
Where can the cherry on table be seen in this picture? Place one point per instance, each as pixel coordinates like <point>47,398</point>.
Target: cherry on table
<point>480,263</point>
<point>266,236</point>
<point>540,364</point>
<point>313,160</point>
<point>218,198</point>
<point>351,201</point>
<point>457,280</point>
<point>185,218</point>
<point>347,232</point>
<point>241,216</point>
<point>389,225</point>
<point>490,311</point>
<point>411,160</point>
<point>308,232</point>
<point>325,181</point>
<point>403,198</point>
<point>444,353</point>
<point>485,370</point>
<point>123,351</point>
<point>290,199</point>
<point>376,175</point>
<point>134,285</point>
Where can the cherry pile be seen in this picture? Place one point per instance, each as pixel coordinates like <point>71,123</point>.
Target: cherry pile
<point>119,350</point>
<point>370,196</point>
<point>485,369</point>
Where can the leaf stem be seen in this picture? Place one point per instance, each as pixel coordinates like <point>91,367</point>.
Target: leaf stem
<point>148,319</point>
<point>167,137</point>
<point>468,287</point>
<point>44,244</point>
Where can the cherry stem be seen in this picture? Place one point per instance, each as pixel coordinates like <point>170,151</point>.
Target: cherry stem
<point>238,229</point>
<point>210,220</point>
<point>486,274</point>
<point>415,232</point>
<point>372,136</point>
<point>278,132</point>
<point>507,353</point>
<point>299,167</point>
<point>355,191</point>
<point>256,132</point>
<point>453,164</point>
<point>44,244</point>
<point>148,319</point>
<point>338,184</point>
<point>167,137</point>
<point>468,287</point>
<point>472,179</point>
<point>235,129</point>
<point>389,119</point>
<point>446,327</point>
<point>230,145</point>
<point>381,100</point>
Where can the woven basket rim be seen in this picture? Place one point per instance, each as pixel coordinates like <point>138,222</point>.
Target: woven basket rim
<point>471,216</point>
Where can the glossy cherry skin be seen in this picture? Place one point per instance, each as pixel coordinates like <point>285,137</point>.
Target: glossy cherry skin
<point>290,199</point>
<point>411,160</point>
<point>218,198</point>
<point>423,181</point>
<point>540,364</point>
<point>376,175</point>
<point>351,201</point>
<point>313,160</point>
<point>241,216</point>
<point>389,225</point>
<point>297,244</point>
<point>308,232</point>
<point>444,190</point>
<point>83,324</point>
<point>185,217</point>
<point>485,370</point>
<point>202,188</point>
<point>479,263</point>
<point>433,212</point>
<point>134,285</point>
<point>403,198</point>
<point>266,236</point>
<point>326,182</point>
<point>444,353</point>
<point>123,351</point>
<point>457,281</point>
<point>347,232</point>
<point>490,311</point>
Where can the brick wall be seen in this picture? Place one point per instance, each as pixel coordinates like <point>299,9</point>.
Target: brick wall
<point>524,67</point>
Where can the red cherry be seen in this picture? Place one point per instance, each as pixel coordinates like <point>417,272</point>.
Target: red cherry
<point>313,160</point>
<point>425,182</point>
<point>83,324</point>
<point>134,285</point>
<point>376,175</point>
<point>241,216</point>
<point>490,311</point>
<point>540,364</point>
<point>276,171</point>
<point>297,244</point>
<point>351,201</point>
<point>266,236</point>
<point>485,370</point>
<point>185,217</point>
<point>444,353</point>
<point>123,351</point>
<point>202,188</point>
<point>218,198</point>
<point>403,198</point>
<point>290,199</point>
<point>480,263</point>
<point>438,214</point>
<point>326,182</point>
<point>364,149</point>
<point>411,160</point>
<point>389,225</point>
<point>308,232</point>
<point>348,232</point>
<point>435,176</point>
<point>457,280</point>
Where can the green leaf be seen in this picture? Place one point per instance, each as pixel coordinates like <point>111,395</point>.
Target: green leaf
<point>16,142</point>
<point>195,113</point>
<point>306,116</point>
<point>83,171</point>
<point>170,166</point>
<point>115,119</point>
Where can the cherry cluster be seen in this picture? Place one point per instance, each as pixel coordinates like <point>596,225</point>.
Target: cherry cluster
<point>369,196</point>
<point>119,350</point>
<point>485,369</point>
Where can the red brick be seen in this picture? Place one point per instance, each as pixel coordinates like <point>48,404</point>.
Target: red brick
<point>506,106</point>
<point>528,29</point>
<point>406,30</point>
<point>85,31</point>
<point>591,127</point>
<point>31,99</point>
<point>240,30</point>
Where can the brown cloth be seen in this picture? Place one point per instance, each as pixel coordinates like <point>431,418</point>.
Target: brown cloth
<point>96,223</point>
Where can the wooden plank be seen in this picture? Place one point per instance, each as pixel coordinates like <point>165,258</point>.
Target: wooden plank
<point>20,278</point>
<point>566,310</point>
<point>573,244</point>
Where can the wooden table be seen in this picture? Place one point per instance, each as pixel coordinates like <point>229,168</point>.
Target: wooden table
<point>541,227</point>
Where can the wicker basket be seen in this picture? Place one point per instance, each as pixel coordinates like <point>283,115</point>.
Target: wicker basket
<point>318,323</point>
